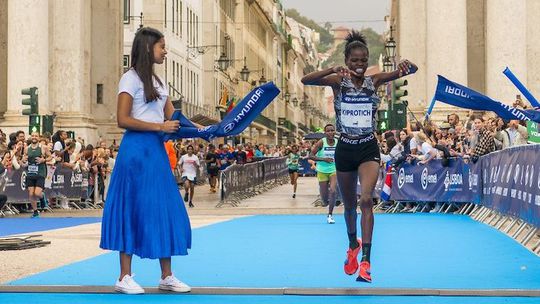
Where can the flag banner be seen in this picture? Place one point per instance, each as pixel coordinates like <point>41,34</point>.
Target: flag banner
<point>534,102</point>
<point>387,187</point>
<point>234,122</point>
<point>460,96</point>
<point>224,98</point>
<point>230,104</point>
<point>430,109</point>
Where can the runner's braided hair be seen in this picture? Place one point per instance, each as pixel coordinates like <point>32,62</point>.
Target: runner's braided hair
<point>355,40</point>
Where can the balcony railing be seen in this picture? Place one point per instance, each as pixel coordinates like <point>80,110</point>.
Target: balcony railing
<point>303,127</point>
<point>265,121</point>
<point>191,109</point>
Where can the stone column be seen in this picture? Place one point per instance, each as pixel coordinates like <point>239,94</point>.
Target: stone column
<point>106,68</point>
<point>3,54</point>
<point>533,49</point>
<point>506,45</point>
<point>446,53</point>
<point>70,66</point>
<point>411,42</point>
<point>27,58</point>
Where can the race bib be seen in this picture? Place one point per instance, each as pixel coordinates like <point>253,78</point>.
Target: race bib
<point>33,168</point>
<point>356,115</point>
<point>329,152</point>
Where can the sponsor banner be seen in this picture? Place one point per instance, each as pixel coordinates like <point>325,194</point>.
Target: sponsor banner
<point>461,96</point>
<point>533,131</point>
<point>62,182</point>
<point>511,182</point>
<point>457,183</point>
<point>234,122</point>
<point>461,182</point>
<point>507,181</point>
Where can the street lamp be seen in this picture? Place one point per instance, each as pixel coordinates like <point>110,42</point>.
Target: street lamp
<point>390,46</point>
<point>387,64</point>
<point>381,91</point>
<point>287,96</point>
<point>262,80</point>
<point>223,61</point>
<point>244,73</point>
<point>194,51</point>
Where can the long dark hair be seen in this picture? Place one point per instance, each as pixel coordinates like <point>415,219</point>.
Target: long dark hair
<point>355,40</point>
<point>58,137</point>
<point>142,60</point>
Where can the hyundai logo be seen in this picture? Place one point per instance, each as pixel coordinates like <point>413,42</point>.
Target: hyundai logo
<point>228,127</point>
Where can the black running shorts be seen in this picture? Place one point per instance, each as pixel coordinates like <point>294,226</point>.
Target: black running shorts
<point>212,171</point>
<point>351,152</point>
<point>35,181</point>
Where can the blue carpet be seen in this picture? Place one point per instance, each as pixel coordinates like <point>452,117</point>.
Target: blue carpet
<point>9,226</point>
<point>409,251</point>
<point>40,298</point>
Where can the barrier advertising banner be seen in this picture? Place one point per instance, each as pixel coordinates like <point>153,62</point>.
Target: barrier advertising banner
<point>457,183</point>
<point>511,182</point>
<point>62,182</point>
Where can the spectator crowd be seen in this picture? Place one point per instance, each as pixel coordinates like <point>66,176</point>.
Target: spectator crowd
<point>469,137</point>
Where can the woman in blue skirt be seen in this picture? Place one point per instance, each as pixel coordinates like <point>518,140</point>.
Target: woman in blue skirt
<point>144,212</point>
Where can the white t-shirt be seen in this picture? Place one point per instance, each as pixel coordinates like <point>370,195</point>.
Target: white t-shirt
<point>426,148</point>
<point>57,146</point>
<point>413,144</point>
<point>189,165</point>
<point>142,110</point>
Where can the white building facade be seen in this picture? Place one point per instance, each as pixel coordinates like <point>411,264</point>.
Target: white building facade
<point>470,42</point>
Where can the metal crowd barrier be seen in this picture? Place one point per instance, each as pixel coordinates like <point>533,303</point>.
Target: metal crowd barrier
<point>502,189</point>
<point>239,182</point>
<point>68,187</point>
<point>202,174</point>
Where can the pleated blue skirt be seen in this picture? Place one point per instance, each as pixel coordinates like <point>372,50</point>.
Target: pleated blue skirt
<point>144,212</point>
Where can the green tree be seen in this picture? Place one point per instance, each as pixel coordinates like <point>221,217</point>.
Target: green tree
<point>327,39</point>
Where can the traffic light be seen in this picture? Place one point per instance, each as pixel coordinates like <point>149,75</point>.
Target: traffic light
<point>398,107</point>
<point>71,134</point>
<point>31,101</point>
<point>382,120</point>
<point>398,116</point>
<point>34,120</point>
<point>34,124</point>
<point>398,89</point>
<point>47,122</point>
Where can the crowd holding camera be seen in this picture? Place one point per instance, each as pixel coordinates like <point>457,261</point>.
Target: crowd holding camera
<point>477,135</point>
<point>418,143</point>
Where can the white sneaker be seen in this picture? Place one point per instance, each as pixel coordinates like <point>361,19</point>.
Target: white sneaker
<point>330,219</point>
<point>128,285</point>
<point>173,284</point>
